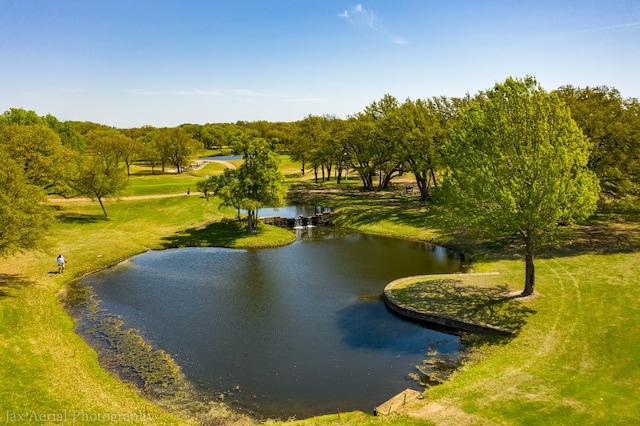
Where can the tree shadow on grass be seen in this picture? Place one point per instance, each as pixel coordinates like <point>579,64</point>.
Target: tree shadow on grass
<point>80,219</point>
<point>490,305</point>
<point>10,281</point>
<point>218,234</point>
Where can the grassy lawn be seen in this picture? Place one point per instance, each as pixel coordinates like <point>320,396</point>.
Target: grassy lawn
<point>142,182</point>
<point>47,368</point>
<point>575,359</point>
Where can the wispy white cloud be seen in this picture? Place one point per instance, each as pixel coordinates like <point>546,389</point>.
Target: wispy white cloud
<point>244,93</point>
<point>360,17</point>
<point>629,26</point>
<point>253,94</point>
<point>64,89</point>
<point>139,92</point>
<point>241,94</point>
<point>201,93</point>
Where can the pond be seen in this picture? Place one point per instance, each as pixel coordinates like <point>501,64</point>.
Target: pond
<point>298,330</point>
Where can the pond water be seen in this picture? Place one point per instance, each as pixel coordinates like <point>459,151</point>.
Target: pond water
<point>298,330</point>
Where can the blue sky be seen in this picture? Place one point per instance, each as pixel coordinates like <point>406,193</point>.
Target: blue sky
<point>164,63</point>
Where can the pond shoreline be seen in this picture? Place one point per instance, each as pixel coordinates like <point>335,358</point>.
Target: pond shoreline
<point>217,398</point>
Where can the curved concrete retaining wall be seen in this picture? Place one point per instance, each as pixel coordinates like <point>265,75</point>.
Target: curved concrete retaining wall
<point>437,318</point>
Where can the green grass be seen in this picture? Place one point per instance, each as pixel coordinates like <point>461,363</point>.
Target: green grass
<point>575,360</point>
<point>483,298</point>
<point>47,368</point>
<point>168,183</point>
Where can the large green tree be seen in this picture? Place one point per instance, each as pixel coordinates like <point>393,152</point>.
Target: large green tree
<point>115,144</point>
<point>518,167</point>
<point>99,177</point>
<point>255,183</point>
<point>24,215</point>
<point>176,146</point>
<point>612,123</point>
<point>420,129</point>
<point>45,161</point>
<point>65,130</point>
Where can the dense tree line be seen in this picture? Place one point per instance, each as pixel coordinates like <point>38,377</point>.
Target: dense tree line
<point>388,139</point>
<point>43,157</point>
<point>612,124</point>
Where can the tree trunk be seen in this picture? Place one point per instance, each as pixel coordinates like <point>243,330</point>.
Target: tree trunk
<point>529,269</point>
<point>433,176</point>
<point>102,205</point>
<point>250,227</point>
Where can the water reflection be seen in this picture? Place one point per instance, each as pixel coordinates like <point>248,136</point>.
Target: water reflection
<point>300,330</point>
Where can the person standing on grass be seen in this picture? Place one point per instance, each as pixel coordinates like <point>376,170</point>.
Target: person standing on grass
<point>61,263</point>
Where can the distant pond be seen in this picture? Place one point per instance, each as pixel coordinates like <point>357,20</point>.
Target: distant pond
<point>298,330</point>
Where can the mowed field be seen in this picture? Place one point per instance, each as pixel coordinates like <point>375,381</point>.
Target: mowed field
<point>574,361</point>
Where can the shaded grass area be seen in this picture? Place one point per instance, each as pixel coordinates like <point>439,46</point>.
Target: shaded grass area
<point>12,282</point>
<point>480,298</point>
<point>230,233</point>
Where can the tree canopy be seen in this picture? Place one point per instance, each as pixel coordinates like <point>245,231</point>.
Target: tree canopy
<point>518,167</point>
<point>24,217</point>
<point>255,184</point>
<point>612,123</point>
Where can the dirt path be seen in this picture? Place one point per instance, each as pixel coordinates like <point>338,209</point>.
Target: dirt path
<point>133,197</point>
<point>225,163</point>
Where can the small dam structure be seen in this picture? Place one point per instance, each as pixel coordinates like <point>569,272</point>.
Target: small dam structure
<point>321,217</point>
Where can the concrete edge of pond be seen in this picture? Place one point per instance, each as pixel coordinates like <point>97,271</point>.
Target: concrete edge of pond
<point>436,318</point>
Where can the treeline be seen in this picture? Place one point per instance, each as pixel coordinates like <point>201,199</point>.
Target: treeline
<point>390,138</point>
<point>43,156</point>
